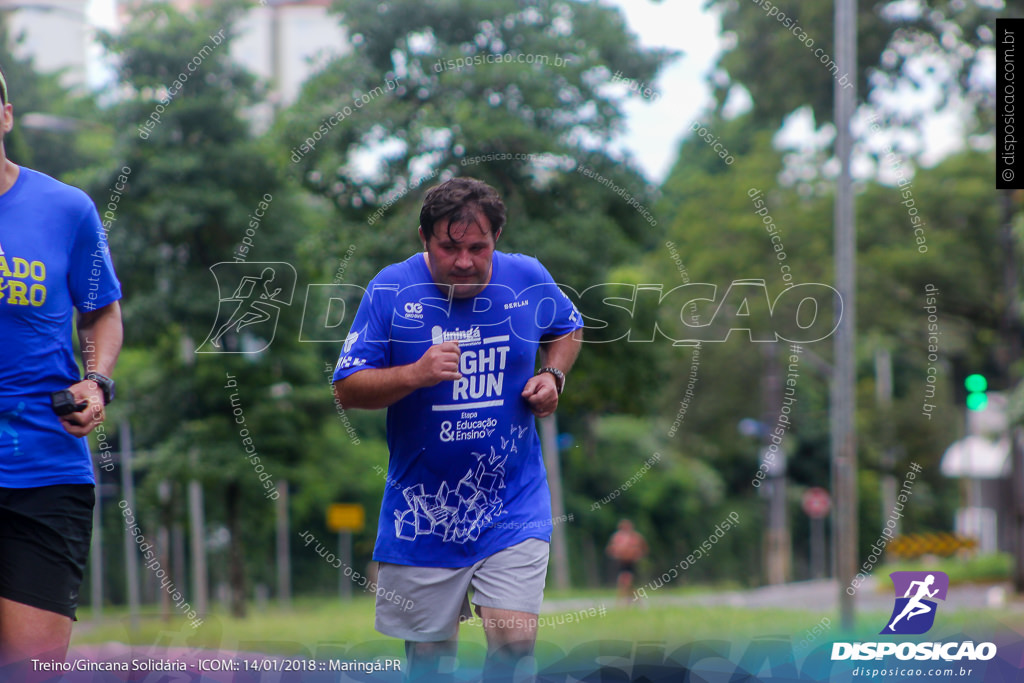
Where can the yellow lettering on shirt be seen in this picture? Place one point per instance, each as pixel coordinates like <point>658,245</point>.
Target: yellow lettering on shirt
<point>20,268</point>
<point>16,296</point>
<point>37,295</point>
<point>16,292</point>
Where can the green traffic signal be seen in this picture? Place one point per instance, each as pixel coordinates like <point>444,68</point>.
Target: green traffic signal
<point>977,401</point>
<point>976,386</point>
<point>975,383</point>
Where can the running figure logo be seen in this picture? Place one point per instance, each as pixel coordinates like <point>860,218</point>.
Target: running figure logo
<point>914,612</point>
<point>252,310</point>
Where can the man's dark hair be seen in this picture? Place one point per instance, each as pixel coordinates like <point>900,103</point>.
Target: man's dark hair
<point>3,89</point>
<point>461,201</point>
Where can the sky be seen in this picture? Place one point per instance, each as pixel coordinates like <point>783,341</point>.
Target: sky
<point>654,126</point>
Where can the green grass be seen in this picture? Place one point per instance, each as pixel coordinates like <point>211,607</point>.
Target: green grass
<point>607,595</point>
<point>325,627</point>
<point>312,621</point>
<point>276,630</point>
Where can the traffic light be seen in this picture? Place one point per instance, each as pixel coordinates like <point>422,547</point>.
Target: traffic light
<point>976,386</point>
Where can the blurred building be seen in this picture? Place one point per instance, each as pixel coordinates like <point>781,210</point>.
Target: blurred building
<point>982,462</point>
<point>281,41</point>
<point>56,33</point>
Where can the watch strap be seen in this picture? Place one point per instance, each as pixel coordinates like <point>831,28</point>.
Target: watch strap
<point>558,375</point>
<point>105,383</point>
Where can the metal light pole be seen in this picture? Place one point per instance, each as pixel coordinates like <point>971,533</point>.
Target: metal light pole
<point>131,560</point>
<point>197,526</point>
<point>559,544</point>
<point>778,546</point>
<point>283,546</point>
<point>883,397</point>
<point>844,444</point>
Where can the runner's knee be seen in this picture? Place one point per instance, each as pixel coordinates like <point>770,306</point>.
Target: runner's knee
<point>429,649</point>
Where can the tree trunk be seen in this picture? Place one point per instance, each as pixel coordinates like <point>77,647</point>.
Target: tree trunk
<point>236,569</point>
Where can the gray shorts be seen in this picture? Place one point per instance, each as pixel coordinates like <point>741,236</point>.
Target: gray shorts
<point>437,599</point>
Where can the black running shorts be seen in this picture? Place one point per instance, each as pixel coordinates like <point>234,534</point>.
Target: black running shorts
<point>44,544</point>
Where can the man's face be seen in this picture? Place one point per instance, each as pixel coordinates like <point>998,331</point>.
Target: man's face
<point>462,259</point>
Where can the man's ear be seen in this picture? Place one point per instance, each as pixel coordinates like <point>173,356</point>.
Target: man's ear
<point>7,117</point>
<point>497,235</point>
<point>423,239</point>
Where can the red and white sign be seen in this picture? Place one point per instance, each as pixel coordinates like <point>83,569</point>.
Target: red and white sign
<point>817,502</point>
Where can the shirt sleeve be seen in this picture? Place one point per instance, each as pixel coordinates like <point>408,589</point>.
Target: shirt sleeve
<point>91,278</point>
<point>564,317</point>
<point>367,344</point>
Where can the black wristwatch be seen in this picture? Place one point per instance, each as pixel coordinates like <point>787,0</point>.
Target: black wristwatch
<point>558,375</point>
<point>106,385</point>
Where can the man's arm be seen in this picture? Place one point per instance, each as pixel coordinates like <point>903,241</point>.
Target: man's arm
<point>100,334</point>
<point>561,352</point>
<point>375,388</point>
<point>541,391</point>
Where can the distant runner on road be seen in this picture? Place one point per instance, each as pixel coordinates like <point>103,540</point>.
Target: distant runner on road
<point>626,547</point>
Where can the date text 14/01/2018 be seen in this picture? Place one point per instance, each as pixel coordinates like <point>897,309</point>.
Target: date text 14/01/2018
<point>272,664</point>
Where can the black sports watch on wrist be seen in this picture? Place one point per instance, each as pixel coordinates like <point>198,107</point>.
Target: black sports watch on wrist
<point>106,385</point>
<point>558,375</point>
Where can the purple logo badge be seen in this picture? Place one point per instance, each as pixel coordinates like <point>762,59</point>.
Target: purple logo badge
<point>916,592</point>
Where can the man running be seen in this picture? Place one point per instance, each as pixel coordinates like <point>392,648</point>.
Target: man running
<point>53,259</point>
<point>626,547</point>
<point>914,606</point>
<point>447,341</point>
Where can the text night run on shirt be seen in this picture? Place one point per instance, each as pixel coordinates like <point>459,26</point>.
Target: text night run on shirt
<point>474,383</point>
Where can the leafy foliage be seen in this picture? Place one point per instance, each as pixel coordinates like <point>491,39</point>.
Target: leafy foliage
<point>901,47</point>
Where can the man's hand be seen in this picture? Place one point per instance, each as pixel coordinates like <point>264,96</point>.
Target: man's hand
<point>541,392</point>
<point>84,421</point>
<point>439,364</point>
<point>375,388</point>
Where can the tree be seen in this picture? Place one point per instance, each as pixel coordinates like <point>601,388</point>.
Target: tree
<point>411,105</point>
<point>671,493</point>
<point>721,236</point>
<point>199,185</point>
<point>900,47</point>
<point>928,49</point>
<point>515,93</point>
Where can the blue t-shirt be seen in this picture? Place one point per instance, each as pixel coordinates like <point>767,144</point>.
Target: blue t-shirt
<point>53,256</point>
<point>466,476</point>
